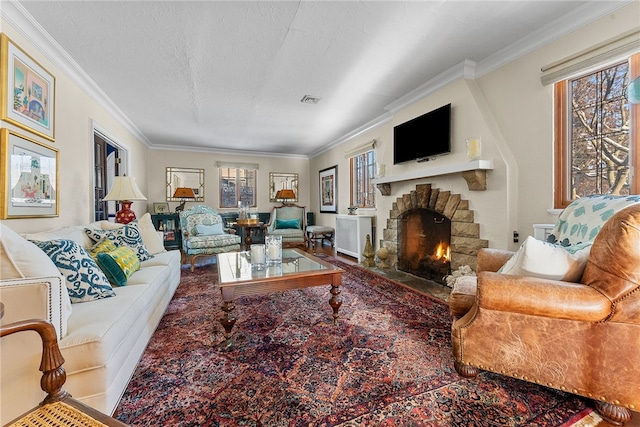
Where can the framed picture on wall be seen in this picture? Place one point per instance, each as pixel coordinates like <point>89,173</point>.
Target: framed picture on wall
<point>28,89</point>
<point>29,177</point>
<point>328,190</point>
<point>161,207</point>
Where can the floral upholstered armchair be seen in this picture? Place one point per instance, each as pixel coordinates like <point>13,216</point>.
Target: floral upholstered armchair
<point>578,334</point>
<point>203,233</point>
<point>290,222</point>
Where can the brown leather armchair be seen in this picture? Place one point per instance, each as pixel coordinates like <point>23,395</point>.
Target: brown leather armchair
<point>582,338</point>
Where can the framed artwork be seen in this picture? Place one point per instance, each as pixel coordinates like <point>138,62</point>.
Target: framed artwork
<point>328,190</point>
<point>280,181</point>
<point>29,181</point>
<point>28,91</point>
<point>161,207</point>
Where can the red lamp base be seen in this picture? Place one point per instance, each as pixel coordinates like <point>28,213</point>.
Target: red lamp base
<point>125,215</point>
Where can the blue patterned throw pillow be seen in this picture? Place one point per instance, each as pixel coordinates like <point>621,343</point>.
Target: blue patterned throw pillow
<point>85,280</point>
<point>129,235</point>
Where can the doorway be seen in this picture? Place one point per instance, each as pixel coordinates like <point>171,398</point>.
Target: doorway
<point>107,164</point>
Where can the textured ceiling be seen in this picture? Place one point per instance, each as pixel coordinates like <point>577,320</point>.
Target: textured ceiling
<point>229,75</point>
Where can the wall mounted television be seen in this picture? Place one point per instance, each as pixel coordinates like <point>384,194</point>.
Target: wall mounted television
<point>424,137</point>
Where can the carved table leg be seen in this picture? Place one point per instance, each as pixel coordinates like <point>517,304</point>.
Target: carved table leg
<point>227,320</point>
<point>247,238</point>
<point>335,302</point>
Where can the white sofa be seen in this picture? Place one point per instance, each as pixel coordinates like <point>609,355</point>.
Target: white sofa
<point>101,341</point>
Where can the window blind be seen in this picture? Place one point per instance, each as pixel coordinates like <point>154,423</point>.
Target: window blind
<point>360,149</point>
<point>236,165</point>
<point>598,55</point>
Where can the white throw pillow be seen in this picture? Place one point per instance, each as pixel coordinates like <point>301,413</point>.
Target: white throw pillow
<point>536,258</point>
<point>150,236</point>
<point>21,258</point>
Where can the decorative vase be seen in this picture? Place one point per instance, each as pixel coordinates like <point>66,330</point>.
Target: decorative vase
<point>125,215</point>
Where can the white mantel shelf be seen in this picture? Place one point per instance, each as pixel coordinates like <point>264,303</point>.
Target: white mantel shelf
<point>474,172</point>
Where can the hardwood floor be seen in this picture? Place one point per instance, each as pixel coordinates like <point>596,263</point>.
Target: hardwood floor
<point>438,293</point>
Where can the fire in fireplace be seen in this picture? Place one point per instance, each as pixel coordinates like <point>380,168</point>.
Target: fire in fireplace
<point>424,239</point>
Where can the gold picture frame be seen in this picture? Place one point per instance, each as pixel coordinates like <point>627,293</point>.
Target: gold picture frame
<point>28,91</point>
<point>29,185</point>
<point>280,181</point>
<point>184,177</point>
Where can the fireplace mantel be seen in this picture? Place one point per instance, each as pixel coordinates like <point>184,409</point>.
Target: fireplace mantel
<point>474,172</point>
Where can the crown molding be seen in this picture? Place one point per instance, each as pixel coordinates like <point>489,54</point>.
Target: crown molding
<point>553,30</point>
<point>358,131</point>
<point>22,21</point>
<point>13,12</point>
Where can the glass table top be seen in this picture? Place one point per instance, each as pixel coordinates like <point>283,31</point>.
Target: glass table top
<point>237,267</point>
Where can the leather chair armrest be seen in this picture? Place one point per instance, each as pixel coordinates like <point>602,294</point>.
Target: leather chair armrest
<point>492,259</point>
<point>541,297</point>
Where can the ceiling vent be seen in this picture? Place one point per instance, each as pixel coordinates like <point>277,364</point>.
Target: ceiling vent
<point>310,99</point>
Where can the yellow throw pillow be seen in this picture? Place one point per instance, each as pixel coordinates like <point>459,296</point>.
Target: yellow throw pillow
<point>105,245</point>
<point>118,265</point>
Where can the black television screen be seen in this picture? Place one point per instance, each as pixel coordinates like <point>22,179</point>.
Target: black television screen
<point>426,136</point>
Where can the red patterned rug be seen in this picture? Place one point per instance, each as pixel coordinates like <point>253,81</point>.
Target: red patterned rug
<point>387,363</point>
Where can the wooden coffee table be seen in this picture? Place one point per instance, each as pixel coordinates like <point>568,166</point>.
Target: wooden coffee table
<point>298,270</point>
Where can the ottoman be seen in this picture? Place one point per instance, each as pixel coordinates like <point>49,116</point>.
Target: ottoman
<point>321,233</point>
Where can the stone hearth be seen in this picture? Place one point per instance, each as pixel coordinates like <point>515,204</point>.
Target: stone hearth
<point>465,233</point>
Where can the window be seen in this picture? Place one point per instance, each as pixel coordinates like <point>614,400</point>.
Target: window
<point>362,172</point>
<point>237,185</point>
<point>595,140</point>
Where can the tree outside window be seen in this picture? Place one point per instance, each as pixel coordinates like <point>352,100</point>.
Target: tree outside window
<point>362,172</point>
<point>593,135</point>
<point>237,186</point>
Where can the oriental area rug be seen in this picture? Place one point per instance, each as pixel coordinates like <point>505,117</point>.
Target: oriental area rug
<point>388,362</point>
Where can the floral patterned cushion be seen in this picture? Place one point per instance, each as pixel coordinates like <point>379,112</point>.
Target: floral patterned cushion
<point>581,221</point>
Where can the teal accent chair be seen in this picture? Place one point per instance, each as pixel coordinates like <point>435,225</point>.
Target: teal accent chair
<point>215,240</point>
<point>290,222</point>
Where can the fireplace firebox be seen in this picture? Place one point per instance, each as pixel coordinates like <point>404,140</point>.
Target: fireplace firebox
<point>424,244</point>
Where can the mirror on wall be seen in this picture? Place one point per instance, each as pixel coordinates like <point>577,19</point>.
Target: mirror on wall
<point>185,178</point>
<point>282,181</point>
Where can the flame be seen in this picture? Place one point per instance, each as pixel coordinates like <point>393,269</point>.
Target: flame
<point>442,252</point>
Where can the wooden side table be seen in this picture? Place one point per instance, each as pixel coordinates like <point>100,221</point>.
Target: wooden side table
<point>249,226</point>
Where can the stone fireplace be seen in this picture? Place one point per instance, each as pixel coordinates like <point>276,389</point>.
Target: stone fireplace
<point>407,234</point>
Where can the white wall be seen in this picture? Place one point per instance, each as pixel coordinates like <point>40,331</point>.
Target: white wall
<point>159,160</point>
<point>74,113</point>
<point>509,108</point>
<point>512,112</point>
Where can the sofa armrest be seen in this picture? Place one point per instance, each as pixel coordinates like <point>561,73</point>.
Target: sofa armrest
<point>541,297</point>
<point>492,259</point>
<point>43,298</point>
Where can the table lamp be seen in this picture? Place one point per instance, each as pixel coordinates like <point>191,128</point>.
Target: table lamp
<point>183,193</point>
<point>124,190</point>
<point>285,194</point>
